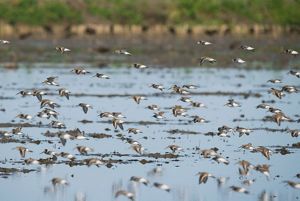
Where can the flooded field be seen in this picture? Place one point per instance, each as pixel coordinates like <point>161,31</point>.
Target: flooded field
<point>118,161</point>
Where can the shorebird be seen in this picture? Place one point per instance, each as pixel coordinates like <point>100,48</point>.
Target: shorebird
<point>47,102</point>
<point>190,86</point>
<point>138,99</point>
<point>203,177</point>
<point>279,117</point>
<point>202,42</point>
<point>62,49</point>
<point>159,115</point>
<point>84,150</point>
<point>93,161</point>
<point>178,110</point>
<point>134,130</point>
<point>295,73</point>
<point>264,169</point>
<point>264,151</point>
<point>38,94</point>
<point>153,107</point>
<point>225,129</point>
<point>207,59</point>
<point>246,165</point>
<point>161,186</point>
<point>222,180</point>
<point>102,76</point>
<point>293,184</point>
<point>238,60</point>
<point>198,119</point>
<point>51,81</point>
<point>106,115</point>
<point>248,182</point>
<point>118,123</point>
<point>57,124</point>
<point>276,92</point>
<point>4,42</point>
<point>186,99</point>
<point>31,161</point>
<point>174,148</point>
<point>197,104</point>
<point>157,86</point>
<point>64,92</point>
<point>263,106</point>
<point>49,152</point>
<point>127,194</point>
<point>47,113</point>
<point>139,66</point>
<point>179,90</point>
<point>79,71</point>
<point>232,103</point>
<point>289,89</point>
<point>220,159</point>
<point>17,131</point>
<point>59,181</point>
<point>24,93</point>
<point>243,131</point>
<point>207,153</point>
<point>248,146</point>
<point>85,107</point>
<point>291,52</point>
<point>24,116</point>
<point>22,150</point>
<point>239,189</point>
<point>122,51</point>
<point>275,81</point>
<point>246,47</point>
<point>294,133</point>
<point>67,155</point>
<point>137,147</point>
<point>139,180</point>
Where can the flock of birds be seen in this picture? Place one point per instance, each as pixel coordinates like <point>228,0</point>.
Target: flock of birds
<point>117,119</point>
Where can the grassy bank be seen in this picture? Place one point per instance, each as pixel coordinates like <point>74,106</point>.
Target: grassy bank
<point>148,12</point>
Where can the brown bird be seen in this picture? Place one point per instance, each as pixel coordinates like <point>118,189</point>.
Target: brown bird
<point>265,169</point>
<point>85,107</point>
<point>22,150</point>
<point>276,92</point>
<point>118,123</point>
<point>79,71</point>
<point>279,117</point>
<point>38,94</point>
<point>134,130</point>
<point>47,102</point>
<point>203,177</point>
<point>84,150</point>
<point>51,81</point>
<point>138,99</point>
<point>62,49</point>
<point>174,148</point>
<point>239,189</point>
<point>161,186</point>
<point>139,180</point>
<point>59,181</point>
<point>64,92</point>
<point>127,194</point>
<point>264,151</point>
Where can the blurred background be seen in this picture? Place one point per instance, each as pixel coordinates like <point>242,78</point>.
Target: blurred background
<point>146,26</point>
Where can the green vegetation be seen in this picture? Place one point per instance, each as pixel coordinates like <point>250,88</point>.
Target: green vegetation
<point>42,12</point>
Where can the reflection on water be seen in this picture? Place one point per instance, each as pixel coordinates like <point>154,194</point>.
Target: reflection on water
<point>216,86</point>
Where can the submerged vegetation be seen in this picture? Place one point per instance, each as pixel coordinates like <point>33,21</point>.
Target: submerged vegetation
<point>35,12</point>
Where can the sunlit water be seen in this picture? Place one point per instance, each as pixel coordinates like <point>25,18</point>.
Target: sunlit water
<point>100,183</point>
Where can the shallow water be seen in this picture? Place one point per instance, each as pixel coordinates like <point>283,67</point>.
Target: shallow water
<point>249,87</point>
